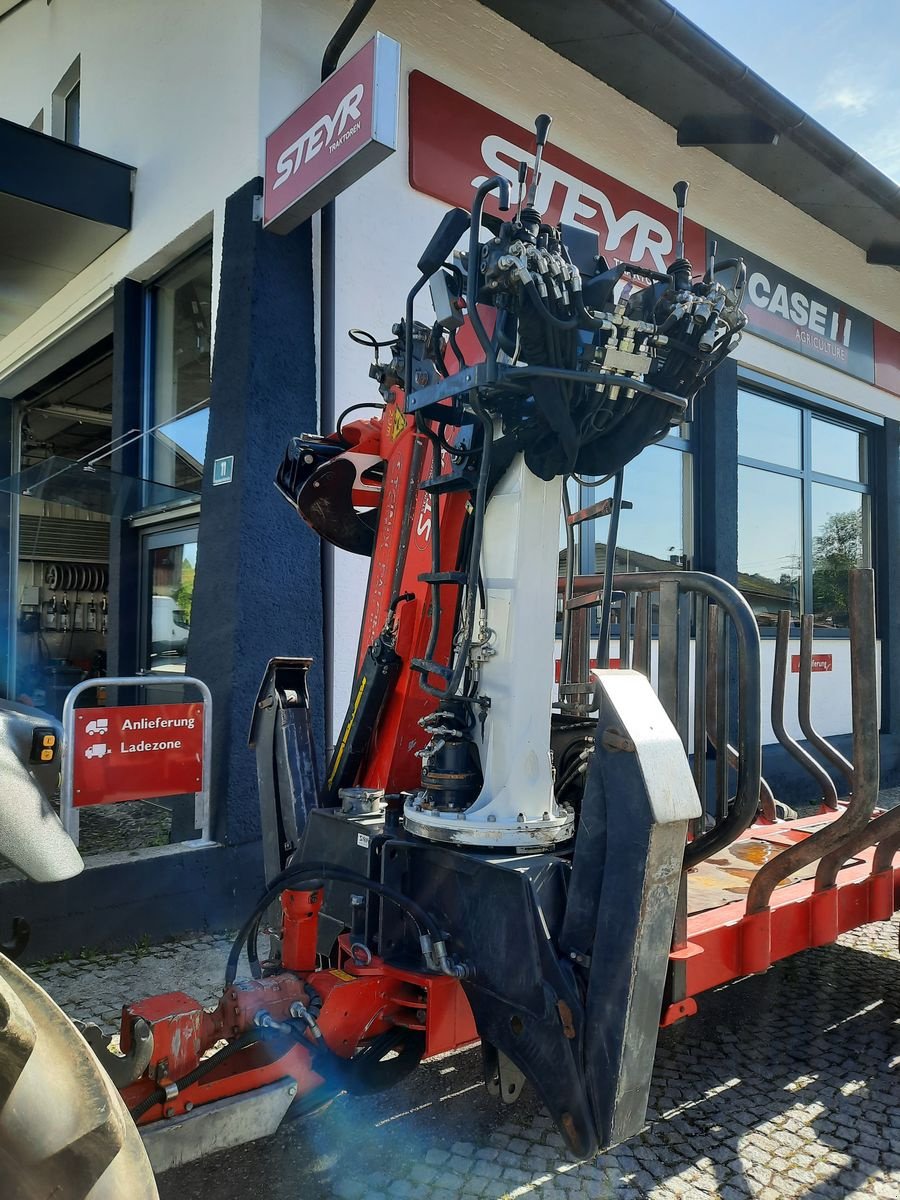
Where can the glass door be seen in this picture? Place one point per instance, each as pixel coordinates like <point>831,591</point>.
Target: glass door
<point>170,561</point>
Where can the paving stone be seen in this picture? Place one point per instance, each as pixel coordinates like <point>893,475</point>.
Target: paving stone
<point>866,1153</point>
<point>475,1186</point>
<point>518,1145</point>
<point>570,1183</point>
<point>487,1170</point>
<point>422,1174</point>
<point>466,1149</point>
<point>486,1152</point>
<point>349,1189</point>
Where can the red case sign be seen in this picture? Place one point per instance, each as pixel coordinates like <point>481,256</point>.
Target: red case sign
<point>137,753</point>
<point>345,128</point>
<point>449,157</point>
<point>820,662</point>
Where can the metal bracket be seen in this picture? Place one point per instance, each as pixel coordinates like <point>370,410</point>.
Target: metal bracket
<point>257,212</point>
<point>21,932</point>
<point>122,1069</point>
<point>501,1075</point>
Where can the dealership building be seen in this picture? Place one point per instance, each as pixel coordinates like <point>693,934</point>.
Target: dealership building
<point>159,346</point>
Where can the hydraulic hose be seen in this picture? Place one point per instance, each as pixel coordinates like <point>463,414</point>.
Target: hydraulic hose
<point>323,871</point>
<point>544,312</point>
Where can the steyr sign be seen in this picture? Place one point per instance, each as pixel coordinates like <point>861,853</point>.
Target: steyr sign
<point>345,128</point>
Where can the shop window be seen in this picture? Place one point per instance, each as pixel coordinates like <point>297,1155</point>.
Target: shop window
<point>179,310</point>
<point>804,510</point>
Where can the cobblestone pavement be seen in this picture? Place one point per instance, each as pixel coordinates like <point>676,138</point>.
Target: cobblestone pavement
<point>124,827</point>
<point>783,1088</point>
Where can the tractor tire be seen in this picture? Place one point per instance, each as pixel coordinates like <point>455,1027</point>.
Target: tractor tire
<point>65,1133</point>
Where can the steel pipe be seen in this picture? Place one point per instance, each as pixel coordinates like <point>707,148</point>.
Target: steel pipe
<point>824,747</point>
<point>779,682</point>
<point>829,844</point>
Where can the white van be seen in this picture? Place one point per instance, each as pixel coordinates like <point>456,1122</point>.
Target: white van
<point>169,627</point>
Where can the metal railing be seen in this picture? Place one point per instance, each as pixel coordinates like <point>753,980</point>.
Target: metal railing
<point>69,813</point>
<point>694,606</point>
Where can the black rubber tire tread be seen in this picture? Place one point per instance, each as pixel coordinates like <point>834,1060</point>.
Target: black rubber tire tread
<point>64,1130</point>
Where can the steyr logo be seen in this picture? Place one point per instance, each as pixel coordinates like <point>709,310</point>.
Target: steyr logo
<point>583,204</point>
<point>330,131</point>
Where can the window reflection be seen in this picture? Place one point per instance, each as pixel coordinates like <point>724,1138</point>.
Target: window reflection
<point>768,431</point>
<point>769,542</point>
<point>839,542</point>
<point>837,450</point>
<point>183,304</point>
<point>797,537</point>
<point>172,570</point>
<point>652,533</point>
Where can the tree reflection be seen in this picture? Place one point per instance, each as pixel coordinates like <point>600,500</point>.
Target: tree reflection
<point>836,548</point>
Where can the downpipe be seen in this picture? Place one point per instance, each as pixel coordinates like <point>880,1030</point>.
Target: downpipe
<point>327,275</point>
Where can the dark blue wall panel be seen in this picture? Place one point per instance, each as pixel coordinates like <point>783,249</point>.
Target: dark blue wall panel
<point>124,565</point>
<point>164,894</point>
<point>887,571</point>
<point>715,412</point>
<point>258,587</point>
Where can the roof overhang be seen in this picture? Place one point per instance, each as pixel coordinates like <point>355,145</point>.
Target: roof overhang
<point>660,60</point>
<point>60,207</point>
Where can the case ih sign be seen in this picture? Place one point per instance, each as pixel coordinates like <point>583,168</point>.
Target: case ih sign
<point>345,128</point>
<point>471,143</point>
<point>784,309</point>
<point>138,752</point>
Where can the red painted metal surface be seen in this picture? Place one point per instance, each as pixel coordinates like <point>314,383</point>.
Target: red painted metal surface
<point>726,944</point>
<point>184,1033</point>
<point>300,911</point>
<point>249,1069</point>
<point>402,554</point>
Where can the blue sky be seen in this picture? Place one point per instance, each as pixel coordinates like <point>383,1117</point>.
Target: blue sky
<point>838,59</point>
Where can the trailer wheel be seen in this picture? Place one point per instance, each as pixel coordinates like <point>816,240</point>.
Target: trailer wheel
<point>64,1131</point>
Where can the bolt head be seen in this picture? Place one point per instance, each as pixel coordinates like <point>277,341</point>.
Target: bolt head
<point>292,1091</point>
